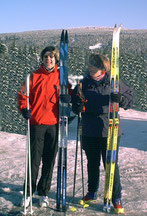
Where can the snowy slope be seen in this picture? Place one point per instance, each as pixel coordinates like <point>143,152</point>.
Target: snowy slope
<point>133,171</point>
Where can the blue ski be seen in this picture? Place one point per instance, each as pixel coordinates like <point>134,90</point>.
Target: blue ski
<point>63,126</point>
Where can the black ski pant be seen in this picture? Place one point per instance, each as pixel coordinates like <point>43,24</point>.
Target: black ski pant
<point>95,147</point>
<point>44,146</point>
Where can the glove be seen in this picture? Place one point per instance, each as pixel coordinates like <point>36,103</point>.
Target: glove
<point>116,97</point>
<point>65,98</point>
<point>77,108</point>
<point>77,105</point>
<point>26,113</point>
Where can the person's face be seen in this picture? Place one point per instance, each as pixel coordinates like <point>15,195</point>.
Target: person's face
<point>94,71</point>
<point>49,60</point>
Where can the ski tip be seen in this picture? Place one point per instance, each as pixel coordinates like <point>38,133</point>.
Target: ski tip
<point>66,37</point>
<point>62,35</point>
<point>120,26</point>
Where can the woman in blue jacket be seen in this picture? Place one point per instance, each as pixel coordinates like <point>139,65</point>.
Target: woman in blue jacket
<point>95,109</point>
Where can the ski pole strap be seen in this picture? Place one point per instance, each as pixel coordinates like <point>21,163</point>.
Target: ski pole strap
<point>81,95</point>
<point>80,92</point>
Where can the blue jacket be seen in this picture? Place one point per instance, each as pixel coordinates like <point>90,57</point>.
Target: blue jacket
<point>95,118</point>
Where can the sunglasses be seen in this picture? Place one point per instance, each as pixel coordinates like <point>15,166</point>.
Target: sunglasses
<point>51,55</point>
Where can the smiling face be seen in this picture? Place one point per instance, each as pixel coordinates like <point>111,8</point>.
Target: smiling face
<point>49,60</point>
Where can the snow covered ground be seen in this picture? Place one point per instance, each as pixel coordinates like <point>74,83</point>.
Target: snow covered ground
<point>132,162</point>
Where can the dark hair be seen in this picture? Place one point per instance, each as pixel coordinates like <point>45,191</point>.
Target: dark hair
<point>51,49</point>
<point>100,61</point>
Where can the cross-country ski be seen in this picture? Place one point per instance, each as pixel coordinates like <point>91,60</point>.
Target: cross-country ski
<point>63,125</point>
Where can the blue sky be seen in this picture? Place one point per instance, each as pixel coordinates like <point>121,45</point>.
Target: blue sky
<point>26,15</point>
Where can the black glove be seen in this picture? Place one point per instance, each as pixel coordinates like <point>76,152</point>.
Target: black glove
<point>116,97</point>
<point>26,113</point>
<point>77,105</point>
<point>65,98</point>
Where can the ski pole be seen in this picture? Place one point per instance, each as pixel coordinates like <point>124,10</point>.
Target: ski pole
<point>80,128</point>
<point>79,131</point>
<point>82,170</point>
<point>58,198</point>
<point>76,155</point>
<point>28,154</point>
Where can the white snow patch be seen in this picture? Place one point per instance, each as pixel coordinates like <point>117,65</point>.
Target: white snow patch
<point>132,163</point>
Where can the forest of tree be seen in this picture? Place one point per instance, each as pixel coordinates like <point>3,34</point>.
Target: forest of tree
<point>20,55</point>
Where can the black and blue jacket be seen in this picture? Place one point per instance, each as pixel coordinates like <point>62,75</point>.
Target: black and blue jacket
<point>95,118</point>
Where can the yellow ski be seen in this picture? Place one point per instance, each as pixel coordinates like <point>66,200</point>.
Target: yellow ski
<point>113,123</point>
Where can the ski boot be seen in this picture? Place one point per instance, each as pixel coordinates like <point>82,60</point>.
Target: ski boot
<point>89,198</point>
<point>118,207</point>
<point>43,201</point>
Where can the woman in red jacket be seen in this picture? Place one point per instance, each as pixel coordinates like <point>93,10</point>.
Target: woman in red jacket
<point>43,115</point>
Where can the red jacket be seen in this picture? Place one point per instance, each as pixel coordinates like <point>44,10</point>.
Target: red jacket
<point>44,96</point>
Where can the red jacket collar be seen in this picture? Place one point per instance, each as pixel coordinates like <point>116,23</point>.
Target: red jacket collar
<point>43,70</point>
